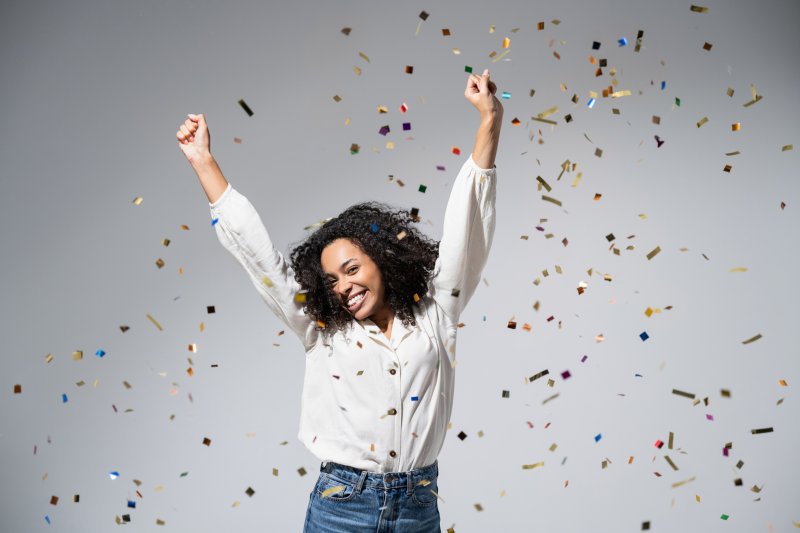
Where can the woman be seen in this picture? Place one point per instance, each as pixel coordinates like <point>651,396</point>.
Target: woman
<point>376,305</point>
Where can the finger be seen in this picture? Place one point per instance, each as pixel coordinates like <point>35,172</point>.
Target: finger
<point>185,131</point>
<point>191,126</point>
<point>492,87</point>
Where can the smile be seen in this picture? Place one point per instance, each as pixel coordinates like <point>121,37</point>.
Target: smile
<point>355,302</point>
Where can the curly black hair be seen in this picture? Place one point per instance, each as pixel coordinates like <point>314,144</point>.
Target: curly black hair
<point>404,255</point>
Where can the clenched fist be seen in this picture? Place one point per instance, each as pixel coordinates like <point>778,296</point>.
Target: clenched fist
<point>194,139</point>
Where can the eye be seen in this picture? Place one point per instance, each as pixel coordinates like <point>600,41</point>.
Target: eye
<point>352,270</point>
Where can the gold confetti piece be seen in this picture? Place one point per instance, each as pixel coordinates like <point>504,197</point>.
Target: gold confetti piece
<point>364,56</point>
<point>730,154</point>
<point>190,371</point>
<point>620,94</point>
<point>551,200</point>
<point>478,507</point>
<point>17,389</point>
<point>165,242</point>
<point>653,253</point>
<point>532,466</point>
<point>357,71</point>
<point>506,42</point>
<point>682,393</point>
<point>553,397</point>
<point>548,112</point>
<point>127,385</point>
<point>543,183</point>
<point>667,458</point>
<point>671,437</point>
<point>782,383</point>
<point>409,69</point>
<point>456,51</point>
<point>137,200</point>
<point>501,56</point>
<point>736,126</point>
<point>153,320</point>
<point>761,430</point>
<point>787,147</point>
<point>739,269</point>
<point>54,500</point>
<point>699,9</point>
<point>77,355</point>
<point>756,99</point>
<point>237,140</point>
<point>48,358</point>
<point>332,490</point>
<point>337,98</point>
<point>160,263</point>
<point>707,46</point>
<point>193,348</point>
<point>553,447</point>
<point>684,482</point>
<point>702,121</point>
<point>546,121</point>
<point>752,339</point>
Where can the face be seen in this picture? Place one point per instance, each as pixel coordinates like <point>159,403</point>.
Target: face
<point>354,278</point>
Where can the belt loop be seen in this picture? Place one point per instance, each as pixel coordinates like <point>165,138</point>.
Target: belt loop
<point>409,485</point>
<point>360,484</point>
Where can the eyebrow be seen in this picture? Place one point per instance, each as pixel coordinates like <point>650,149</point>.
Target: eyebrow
<point>342,266</point>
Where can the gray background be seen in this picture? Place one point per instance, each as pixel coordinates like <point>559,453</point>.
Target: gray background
<point>92,94</point>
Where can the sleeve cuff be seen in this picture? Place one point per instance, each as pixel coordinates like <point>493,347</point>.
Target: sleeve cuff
<point>222,198</point>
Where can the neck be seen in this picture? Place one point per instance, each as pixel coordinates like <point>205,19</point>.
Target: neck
<point>383,318</point>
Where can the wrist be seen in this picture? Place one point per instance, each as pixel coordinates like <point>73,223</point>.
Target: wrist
<point>202,160</point>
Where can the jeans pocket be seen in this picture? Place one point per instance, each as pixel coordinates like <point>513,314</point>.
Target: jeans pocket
<point>424,492</point>
<point>334,489</point>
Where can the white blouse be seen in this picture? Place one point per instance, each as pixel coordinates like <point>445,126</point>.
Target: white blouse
<point>369,402</point>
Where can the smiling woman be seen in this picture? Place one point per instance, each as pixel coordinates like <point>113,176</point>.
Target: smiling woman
<point>378,319</point>
<point>392,264</point>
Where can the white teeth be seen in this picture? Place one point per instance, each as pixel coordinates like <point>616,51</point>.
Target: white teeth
<point>355,299</point>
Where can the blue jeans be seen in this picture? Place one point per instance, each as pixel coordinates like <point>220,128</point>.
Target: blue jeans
<point>347,499</point>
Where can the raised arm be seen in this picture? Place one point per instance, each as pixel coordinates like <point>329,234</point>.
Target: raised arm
<point>480,93</point>
<point>241,231</point>
<point>195,143</point>
<point>469,219</point>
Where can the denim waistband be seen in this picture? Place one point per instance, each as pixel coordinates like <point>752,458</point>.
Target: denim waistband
<point>386,480</point>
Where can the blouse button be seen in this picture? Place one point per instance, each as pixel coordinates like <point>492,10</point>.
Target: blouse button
<point>392,411</point>
<point>392,371</point>
<point>393,453</point>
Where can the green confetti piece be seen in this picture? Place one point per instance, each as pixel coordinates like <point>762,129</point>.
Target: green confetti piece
<point>724,516</point>
<point>467,68</point>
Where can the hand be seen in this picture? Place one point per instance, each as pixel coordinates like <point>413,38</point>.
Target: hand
<point>480,93</point>
<point>194,140</point>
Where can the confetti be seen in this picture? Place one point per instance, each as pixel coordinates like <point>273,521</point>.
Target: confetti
<point>17,389</point>
<point>699,9</point>
<point>138,200</point>
<point>761,430</point>
<point>246,108</point>
<point>702,121</point>
<point>682,393</point>
<point>532,466</point>
<point>409,69</point>
<point>153,320</point>
<point>653,253</point>
<point>752,339</point>
<point>332,490</point>
<point>707,46</point>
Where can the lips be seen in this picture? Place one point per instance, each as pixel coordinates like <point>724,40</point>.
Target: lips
<point>357,305</point>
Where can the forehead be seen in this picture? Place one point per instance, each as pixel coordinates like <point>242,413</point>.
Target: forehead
<point>339,251</point>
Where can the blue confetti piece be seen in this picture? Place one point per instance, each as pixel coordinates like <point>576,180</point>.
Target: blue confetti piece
<point>132,504</point>
<point>663,85</point>
<point>113,474</point>
<point>64,398</point>
<point>373,228</point>
<point>590,103</point>
<point>47,519</point>
<point>484,318</point>
<point>506,95</point>
<point>214,221</point>
<point>622,41</point>
<point>415,398</point>
<point>644,336</point>
<point>598,437</point>
<point>100,353</point>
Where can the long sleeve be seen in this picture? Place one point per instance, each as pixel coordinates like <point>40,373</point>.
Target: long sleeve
<point>241,231</point>
<point>469,223</point>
